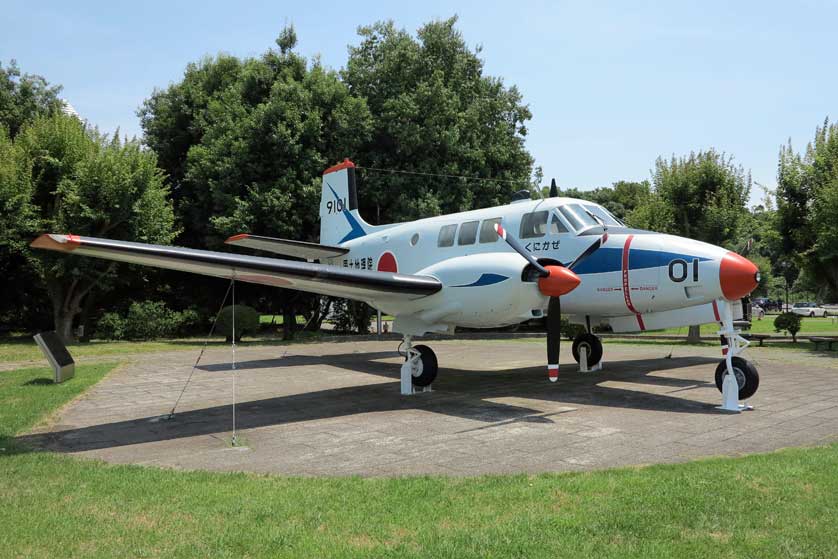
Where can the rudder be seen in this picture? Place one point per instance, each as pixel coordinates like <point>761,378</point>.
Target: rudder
<point>339,218</point>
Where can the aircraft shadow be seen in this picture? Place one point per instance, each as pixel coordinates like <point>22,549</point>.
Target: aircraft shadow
<point>461,393</point>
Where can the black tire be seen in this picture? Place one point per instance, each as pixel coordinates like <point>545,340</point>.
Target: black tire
<point>593,344</point>
<point>812,314</point>
<point>429,366</point>
<point>746,375</point>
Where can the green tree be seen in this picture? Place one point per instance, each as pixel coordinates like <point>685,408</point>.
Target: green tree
<point>702,196</point>
<point>64,177</point>
<point>23,97</point>
<point>807,208</point>
<point>434,111</point>
<point>244,142</point>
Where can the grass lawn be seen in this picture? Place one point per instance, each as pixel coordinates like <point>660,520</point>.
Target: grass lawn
<point>809,326</point>
<point>23,348</point>
<point>774,505</point>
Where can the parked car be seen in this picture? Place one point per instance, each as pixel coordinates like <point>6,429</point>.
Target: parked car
<point>808,309</point>
<point>757,311</point>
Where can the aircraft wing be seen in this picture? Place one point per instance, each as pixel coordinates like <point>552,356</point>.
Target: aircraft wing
<point>297,249</point>
<point>363,285</point>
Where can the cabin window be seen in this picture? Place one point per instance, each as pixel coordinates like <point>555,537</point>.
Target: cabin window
<point>534,224</point>
<point>487,230</point>
<point>446,236</point>
<point>414,239</point>
<point>556,225</point>
<point>468,233</point>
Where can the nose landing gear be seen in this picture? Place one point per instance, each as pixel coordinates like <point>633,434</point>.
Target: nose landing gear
<point>736,378</point>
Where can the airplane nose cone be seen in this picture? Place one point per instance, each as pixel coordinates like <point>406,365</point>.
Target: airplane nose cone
<point>738,276</point>
<point>560,281</point>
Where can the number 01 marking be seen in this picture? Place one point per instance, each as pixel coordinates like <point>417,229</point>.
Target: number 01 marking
<point>678,270</point>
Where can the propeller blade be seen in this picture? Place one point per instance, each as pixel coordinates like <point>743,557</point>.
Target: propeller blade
<point>589,251</point>
<point>554,337</point>
<point>516,246</point>
<point>554,190</point>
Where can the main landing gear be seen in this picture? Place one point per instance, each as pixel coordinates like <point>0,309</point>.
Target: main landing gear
<point>419,369</point>
<point>736,378</point>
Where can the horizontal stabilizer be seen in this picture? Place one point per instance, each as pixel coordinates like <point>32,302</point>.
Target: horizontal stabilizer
<point>295,249</point>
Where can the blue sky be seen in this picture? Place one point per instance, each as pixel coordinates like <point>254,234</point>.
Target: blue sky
<point>612,85</point>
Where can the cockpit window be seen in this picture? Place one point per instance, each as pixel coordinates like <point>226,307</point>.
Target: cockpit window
<point>587,219</point>
<point>603,214</point>
<point>571,218</point>
<point>534,224</point>
<point>556,225</point>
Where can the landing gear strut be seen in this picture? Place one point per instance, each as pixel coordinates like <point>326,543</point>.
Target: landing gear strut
<point>419,369</point>
<point>736,378</point>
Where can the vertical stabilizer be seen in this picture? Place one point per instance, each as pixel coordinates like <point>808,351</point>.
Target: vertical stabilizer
<point>339,218</point>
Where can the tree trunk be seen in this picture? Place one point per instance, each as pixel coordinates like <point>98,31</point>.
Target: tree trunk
<point>289,323</point>
<point>64,327</point>
<point>694,335</point>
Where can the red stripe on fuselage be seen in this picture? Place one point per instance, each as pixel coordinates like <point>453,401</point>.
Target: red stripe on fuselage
<point>626,289</point>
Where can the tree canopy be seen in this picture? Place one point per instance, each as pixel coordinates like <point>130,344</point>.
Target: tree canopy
<point>807,208</point>
<point>434,111</point>
<point>58,175</point>
<point>244,142</point>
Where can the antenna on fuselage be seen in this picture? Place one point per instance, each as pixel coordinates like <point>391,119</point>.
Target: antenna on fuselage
<point>554,190</point>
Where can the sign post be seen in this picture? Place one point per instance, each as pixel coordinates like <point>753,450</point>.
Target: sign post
<point>56,353</point>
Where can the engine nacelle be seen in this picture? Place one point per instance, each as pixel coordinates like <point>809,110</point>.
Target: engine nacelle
<point>483,299</point>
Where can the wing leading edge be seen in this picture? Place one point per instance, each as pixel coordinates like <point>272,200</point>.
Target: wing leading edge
<point>362,285</point>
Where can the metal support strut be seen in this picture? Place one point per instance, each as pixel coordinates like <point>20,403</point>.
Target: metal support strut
<point>583,362</point>
<point>411,367</point>
<point>735,344</point>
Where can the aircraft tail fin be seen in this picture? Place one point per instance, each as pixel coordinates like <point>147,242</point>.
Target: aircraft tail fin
<point>339,218</point>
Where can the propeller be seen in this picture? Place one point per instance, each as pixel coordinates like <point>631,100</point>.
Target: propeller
<point>553,281</point>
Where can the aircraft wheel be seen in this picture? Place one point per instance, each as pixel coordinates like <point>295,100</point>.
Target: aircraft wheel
<point>424,372</point>
<point>592,344</point>
<point>746,376</point>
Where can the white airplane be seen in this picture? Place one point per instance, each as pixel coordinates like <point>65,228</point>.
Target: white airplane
<point>561,255</point>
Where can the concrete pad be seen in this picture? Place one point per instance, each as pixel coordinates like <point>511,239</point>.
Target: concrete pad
<point>335,409</point>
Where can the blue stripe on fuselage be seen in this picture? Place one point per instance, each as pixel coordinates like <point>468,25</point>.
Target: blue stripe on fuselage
<point>607,260</point>
<point>485,279</point>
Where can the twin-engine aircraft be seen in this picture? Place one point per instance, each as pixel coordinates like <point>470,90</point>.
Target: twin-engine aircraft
<point>485,268</point>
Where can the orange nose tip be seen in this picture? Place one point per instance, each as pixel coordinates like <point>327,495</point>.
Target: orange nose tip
<point>738,276</point>
<point>560,281</point>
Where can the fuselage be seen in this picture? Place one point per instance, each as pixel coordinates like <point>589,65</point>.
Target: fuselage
<point>634,273</point>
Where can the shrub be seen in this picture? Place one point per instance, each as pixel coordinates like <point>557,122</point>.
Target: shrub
<point>147,320</point>
<point>790,322</point>
<point>111,327</point>
<point>570,330</point>
<point>247,322</point>
<point>351,316</point>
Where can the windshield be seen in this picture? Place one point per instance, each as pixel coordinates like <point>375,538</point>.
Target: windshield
<point>603,214</point>
<point>577,216</point>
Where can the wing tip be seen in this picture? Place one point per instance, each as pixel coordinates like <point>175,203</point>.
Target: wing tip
<point>235,238</point>
<point>53,241</point>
